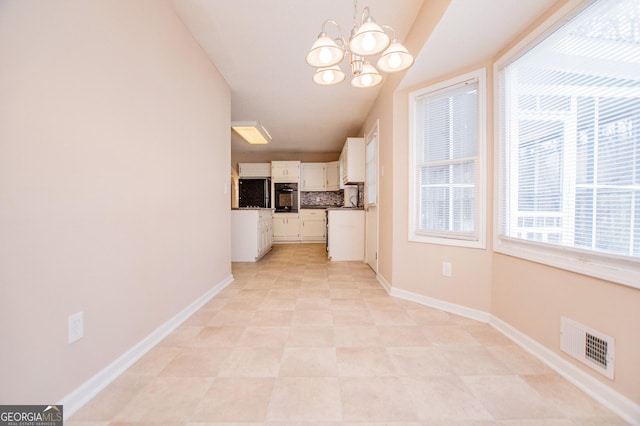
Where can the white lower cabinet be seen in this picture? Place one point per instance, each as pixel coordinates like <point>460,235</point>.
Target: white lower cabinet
<point>313,225</point>
<point>251,234</point>
<point>286,227</point>
<point>346,235</point>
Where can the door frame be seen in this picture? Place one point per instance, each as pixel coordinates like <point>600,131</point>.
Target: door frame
<point>370,135</point>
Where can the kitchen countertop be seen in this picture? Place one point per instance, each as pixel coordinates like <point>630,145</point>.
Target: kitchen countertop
<point>303,208</point>
<point>331,208</point>
<point>318,207</point>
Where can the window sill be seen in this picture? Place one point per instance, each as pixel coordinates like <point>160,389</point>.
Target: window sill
<point>414,238</point>
<point>625,272</point>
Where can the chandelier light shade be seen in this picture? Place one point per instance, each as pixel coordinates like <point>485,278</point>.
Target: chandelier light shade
<point>329,76</point>
<point>395,58</point>
<point>368,77</point>
<point>367,40</point>
<point>324,52</point>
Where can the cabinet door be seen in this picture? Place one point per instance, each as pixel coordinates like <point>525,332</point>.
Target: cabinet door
<point>279,226</point>
<point>292,227</point>
<point>353,160</point>
<point>250,170</point>
<point>332,171</point>
<point>313,177</point>
<point>278,172</point>
<point>265,237</point>
<point>313,228</point>
<point>285,171</point>
<point>286,226</point>
<point>313,225</point>
<point>293,172</point>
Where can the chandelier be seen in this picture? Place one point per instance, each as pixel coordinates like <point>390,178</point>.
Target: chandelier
<point>367,40</point>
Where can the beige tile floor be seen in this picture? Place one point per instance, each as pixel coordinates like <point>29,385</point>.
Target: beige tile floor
<point>300,340</point>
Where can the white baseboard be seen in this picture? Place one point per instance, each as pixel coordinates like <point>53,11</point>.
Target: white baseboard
<point>619,404</point>
<point>383,281</point>
<point>616,402</point>
<point>83,394</point>
<point>453,308</point>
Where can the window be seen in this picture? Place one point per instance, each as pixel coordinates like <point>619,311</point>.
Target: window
<point>447,162</point>
<point>569,148</point>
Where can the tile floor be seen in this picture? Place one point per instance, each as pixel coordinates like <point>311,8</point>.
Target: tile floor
<point>300,340</point>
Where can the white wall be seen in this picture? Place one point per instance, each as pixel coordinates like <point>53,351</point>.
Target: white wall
<point>114,156</point>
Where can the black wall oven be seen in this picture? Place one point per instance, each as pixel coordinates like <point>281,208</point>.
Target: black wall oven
<point>254,192</point>
<point>285,197</point>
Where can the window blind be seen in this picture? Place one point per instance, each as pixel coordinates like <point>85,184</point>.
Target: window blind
<point>446,162</point>
<point>569,112</point>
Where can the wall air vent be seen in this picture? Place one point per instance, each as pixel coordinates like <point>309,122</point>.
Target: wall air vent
<point>588,346</point>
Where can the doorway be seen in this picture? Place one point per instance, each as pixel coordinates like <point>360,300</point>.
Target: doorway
<point>371,196</point>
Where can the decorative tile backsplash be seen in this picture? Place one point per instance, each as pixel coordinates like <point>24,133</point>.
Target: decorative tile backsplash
<point>322,198</point>
<point>329,198</point>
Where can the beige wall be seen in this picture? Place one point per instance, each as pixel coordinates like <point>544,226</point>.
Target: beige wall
<point>470,283</point>
<point>526,295</point>
<point>389,186</point>
<point>111,183</point>
<point>532,297</point>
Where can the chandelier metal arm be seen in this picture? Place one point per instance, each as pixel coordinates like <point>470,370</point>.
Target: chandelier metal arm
<point>364,17</point>
<point>340,39</point>
<point>356,62</point>
<point>393,32</point>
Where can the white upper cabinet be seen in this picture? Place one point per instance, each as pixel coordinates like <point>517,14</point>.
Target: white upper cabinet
<point>332,171</point>
<point>285,171</point>
<point>314,177</point>
<point>353,161</point>
<point>254,170</point>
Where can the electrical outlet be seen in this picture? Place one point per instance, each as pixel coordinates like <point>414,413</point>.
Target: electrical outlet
<point>75,326</point>
<point>446,269</point>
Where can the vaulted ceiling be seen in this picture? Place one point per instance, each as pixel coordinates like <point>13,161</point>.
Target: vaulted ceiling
<point>259,47</point>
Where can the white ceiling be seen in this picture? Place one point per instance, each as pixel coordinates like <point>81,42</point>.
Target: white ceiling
<point>259,47</point>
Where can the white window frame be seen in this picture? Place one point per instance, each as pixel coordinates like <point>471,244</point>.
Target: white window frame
<point>607,267</point>
<point>480,242</point>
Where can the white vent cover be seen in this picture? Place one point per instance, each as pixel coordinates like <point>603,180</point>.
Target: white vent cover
<point>593,348</point>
